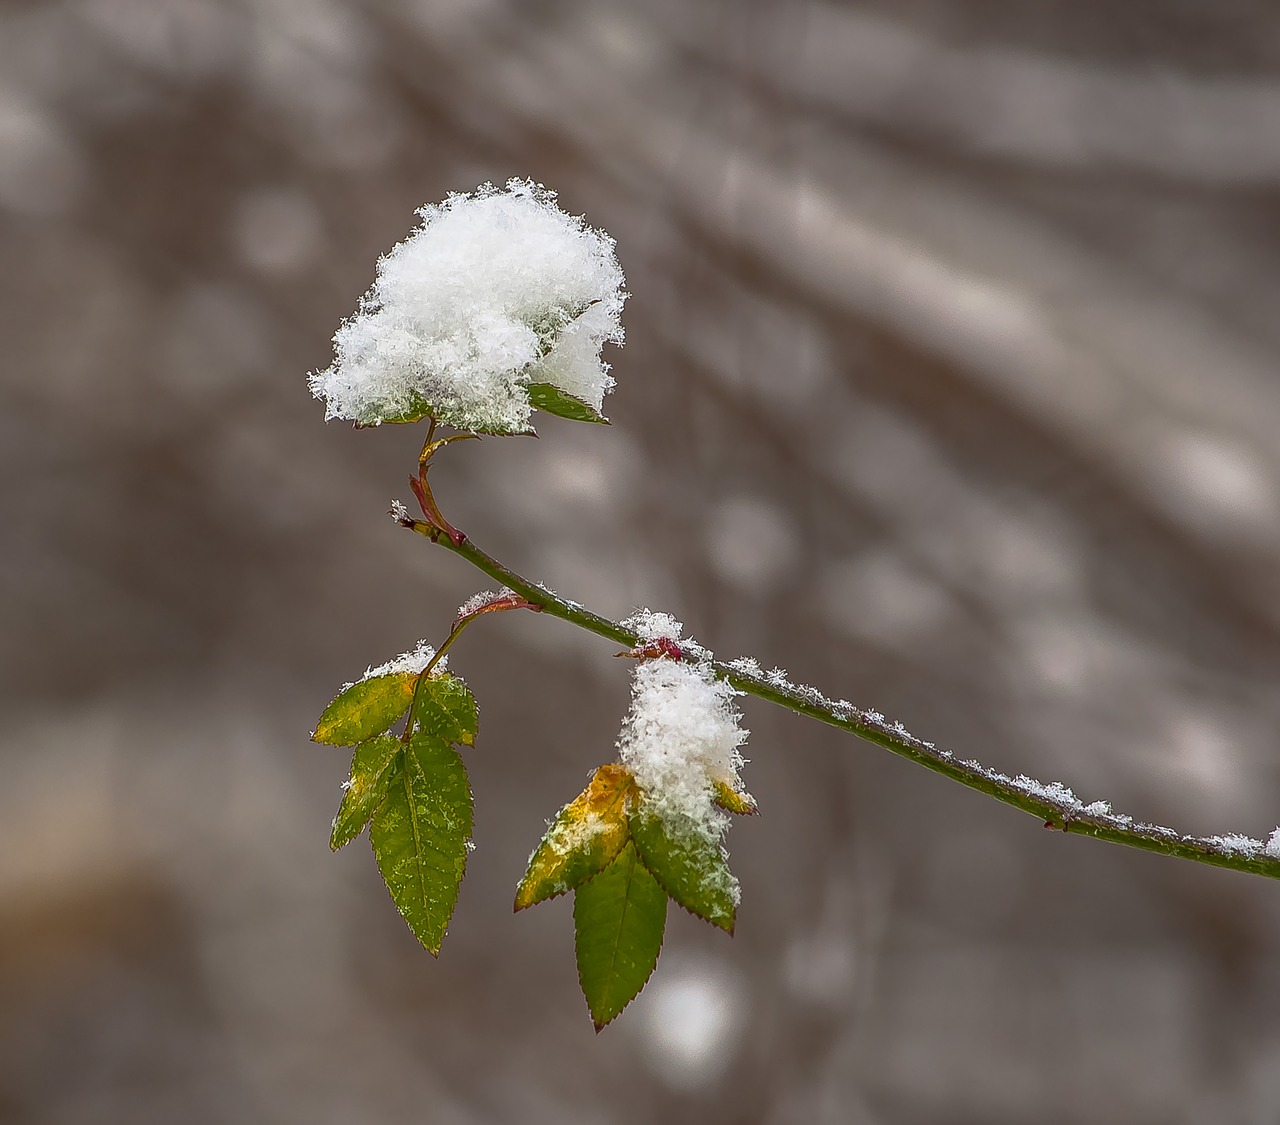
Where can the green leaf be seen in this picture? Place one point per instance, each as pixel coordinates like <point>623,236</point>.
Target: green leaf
<point>444,707</point>
<point>690,865</point>
<point>365,708</point>
<point>414,411</point>
<point>548,397</point>
<point>419,409</point>
<point>619,918</point>
<point>419,835</point>
<point>582,841</point>
<point>372,768</point>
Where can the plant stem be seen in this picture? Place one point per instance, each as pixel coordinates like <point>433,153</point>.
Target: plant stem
<point>1053,805</point>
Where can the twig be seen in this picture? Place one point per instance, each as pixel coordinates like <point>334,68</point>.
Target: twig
<point>1052,803</point>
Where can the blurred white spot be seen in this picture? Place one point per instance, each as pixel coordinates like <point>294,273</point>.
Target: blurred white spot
<point>691,1017</point>
<point>310,63</point>
<point>1203,750</point>
<point>1075,649</point>
<point>776,354</point>
<point>1055,652</point>
<point>820,968</point>
<point>41,172</point>
<point>451,17</point>
<point>184,39</point>
<point>575,477</point>
<point>886,458</point>
<point>625,42</point>
<point>276,230</point>
<point>1022,558</point>
<point>325,31</point>
<point>751,543</point>
<point>579,476</point>
<point>349,128</point>
<point>1044,108</point>
<point>878,596</point>
<point>215,339</point>
<point>1216,483</point>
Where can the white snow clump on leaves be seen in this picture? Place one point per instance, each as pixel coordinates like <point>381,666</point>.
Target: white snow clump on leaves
<point>681,735</point>
<point>496,289</point>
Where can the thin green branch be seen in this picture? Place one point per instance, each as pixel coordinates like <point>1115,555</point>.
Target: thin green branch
<point>1053,804</point>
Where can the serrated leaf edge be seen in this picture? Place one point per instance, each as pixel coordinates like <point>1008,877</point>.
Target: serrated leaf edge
<point>434,951</point>
<point>394,763</point>
<point>598,1025</point>
<point>733,917</point>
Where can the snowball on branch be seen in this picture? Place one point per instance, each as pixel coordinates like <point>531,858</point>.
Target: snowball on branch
<point>680,737</point>
<point>495,290</point>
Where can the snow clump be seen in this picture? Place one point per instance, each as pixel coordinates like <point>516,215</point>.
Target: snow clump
<point>495,290</point>
<point>681,736</point>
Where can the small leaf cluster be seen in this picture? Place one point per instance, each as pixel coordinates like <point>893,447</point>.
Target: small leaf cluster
<point>546,397</point>
<point>623,861</point>
<point>411,791</point>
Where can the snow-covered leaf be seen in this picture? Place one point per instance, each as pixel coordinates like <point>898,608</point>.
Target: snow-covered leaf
<point>552,400</point>
<point>420,833</point>
<point>365,709</point>
<point>372,767</point>
<point>414,410</point>
<point>443,706</point>
<point>585,837</point>
<point>493,290</point>
<point>619,918</point>
<point>690,864</point>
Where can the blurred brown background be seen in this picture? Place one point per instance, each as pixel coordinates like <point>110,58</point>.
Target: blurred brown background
<point>951,387</point>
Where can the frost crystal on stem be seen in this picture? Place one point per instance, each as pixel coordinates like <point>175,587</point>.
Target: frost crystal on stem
<point>478,601</point>
<point>680,737</point>
<point>495,290</point>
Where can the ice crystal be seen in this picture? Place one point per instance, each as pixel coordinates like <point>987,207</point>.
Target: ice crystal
<point>415,660</point>
<point>479,601</point>
<point>649,625</point>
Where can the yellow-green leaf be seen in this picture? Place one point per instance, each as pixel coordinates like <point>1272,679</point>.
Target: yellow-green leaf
<point>365,708</point>
<point>690,864</point>
<point>585,837</point>
<point>733,800</point>
<point>444,707</point>
<point>420,833</point>
<point>550,398</point>
<point>372,768</point>
<point>619,918</point>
